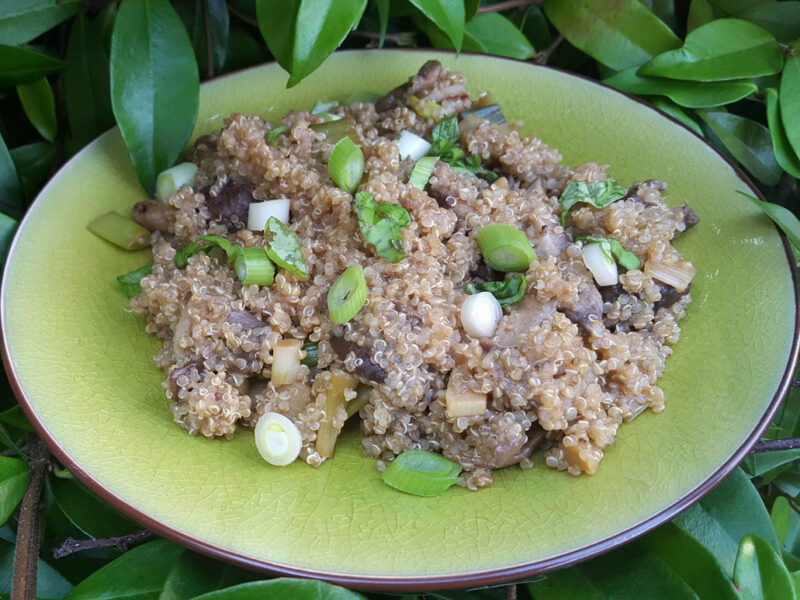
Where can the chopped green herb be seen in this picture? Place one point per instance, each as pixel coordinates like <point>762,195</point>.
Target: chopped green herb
<point>444,138</point>
<point>382,225</point>
<point>205,243</point>
<point>311,350</point>
<point>421,473</point>
<point>273,134</point>
<point>598,195</point>
<point>444,135</point>
<point>507,292</point>
<point>283,248</point>
<point>130,283</point>
<point>613,249</point>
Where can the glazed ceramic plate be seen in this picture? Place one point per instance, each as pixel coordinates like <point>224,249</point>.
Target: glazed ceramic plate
<point>82,363</point>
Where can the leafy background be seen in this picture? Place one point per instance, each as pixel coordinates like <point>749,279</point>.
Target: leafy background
<point>70,69</point>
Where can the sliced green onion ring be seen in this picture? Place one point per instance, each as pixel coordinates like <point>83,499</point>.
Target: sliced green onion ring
<point>253,267</point>
<point>422,171</point>
<point>421,473</point>
<point>170,181</point>
<point>278,440</point>
<point>347,294</point>
<point>505,248</point>
<point>283,248</point>
<point>346,164</point>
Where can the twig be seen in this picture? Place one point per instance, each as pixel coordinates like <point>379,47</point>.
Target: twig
<point>241,16</point>
<point>508,5</point>
<point>26,557</point>
<point>543,56</point>
<point>120,542</point>
<point>511,592</point>
<point>773,445</point>
<point>209,53</point>
<point>401,39</point>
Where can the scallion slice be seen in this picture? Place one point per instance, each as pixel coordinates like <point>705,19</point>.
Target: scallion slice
<point>170,181</point>
<point>336,130</point>
<point>611,246</point>
<point>505,248</point>
<point>253,267</point>
<point>259,212</point>
<point>412,146</point>
<point>323,107</point>
<point>278,439</point>
<point>346,164</point>
<point>131,283</point>
<point>422,171</point>
<point>120,231</point>
<point>273,134</point>
<point>204,243</point>
<point>421,473</point>
<point>600,263</point>
<point>283,248</point>
<point>347,294</point>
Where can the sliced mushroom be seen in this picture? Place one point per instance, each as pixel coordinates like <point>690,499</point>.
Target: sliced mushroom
<point>367,369</point>
<point>152,215</point>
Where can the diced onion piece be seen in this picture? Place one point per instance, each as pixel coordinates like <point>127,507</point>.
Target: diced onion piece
<point>678,276</point>
<point>346,164</point>
<point>170,181</point>
<point>505,248</point>
<point>335,399</point>
<point>253,267</point>
<point>412,146</point>
<point>259,212</point>
<point>347,294</point>
<point>480,315</point>
<point>120,231</point>
<point>286,361</point>
<point>602,266</point>
<point>462,402</point>
<point>278,440</point>
<point>421,473</point>
<point>422,171</point>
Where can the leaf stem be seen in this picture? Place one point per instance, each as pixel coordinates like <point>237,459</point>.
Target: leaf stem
<point>773,445</point>
<point>120,542</point>
<point>508,5</point>
<point>209,53</point>
<point>542,57</point>
<point>511,592</point>
<point>242,16</point>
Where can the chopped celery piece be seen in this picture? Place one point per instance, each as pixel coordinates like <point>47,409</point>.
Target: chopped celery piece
<point>336,130</point>
<point>120,231</point>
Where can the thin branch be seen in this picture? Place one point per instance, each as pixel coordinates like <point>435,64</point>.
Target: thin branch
<point>120,542</point>
<point>511,592</point>
<point>543,56</point>
<point>401,39</point>
<point>23,587</point>
<point>242,16</point>
<point>508,5</point>
<point>773,445</point>
<point>209,53</point>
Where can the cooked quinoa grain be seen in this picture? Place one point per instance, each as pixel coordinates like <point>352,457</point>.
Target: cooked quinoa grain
<point>566,366</point>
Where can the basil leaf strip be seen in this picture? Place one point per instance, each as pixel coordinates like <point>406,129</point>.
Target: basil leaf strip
<point>598,195</point>
<point>507,292</point>
<point>130,283</point>
<point>613,249</point>
<point>443,139</point>
<point>283,248</point>
<point>382,225</point>
<point>205,243</point>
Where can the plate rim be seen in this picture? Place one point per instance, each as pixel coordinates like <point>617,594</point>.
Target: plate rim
<point>488,577</point>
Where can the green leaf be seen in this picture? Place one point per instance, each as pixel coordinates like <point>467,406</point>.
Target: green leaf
<point>748,141</point>
<point>691,94</point>
<point>383,17</point>
<point>790,101</point>
<point>507,292</point>
<point>206,20</point>
<point>620,35</point>
<point>23,20</point>
<point>382,226</point>
<point>87,512</point>
<point>784,154</point>
<point>7,228</point>
<point>15,417</point>
<point>301,34</point>
<point>760,573</point>
<point>40,107</point>
<point>664,10</point>
<point>598,195</point>
<point>700,13</point>
<point>283,587</point>
<point>782,217</point>
<point>50,585</point>
<point>535,27</point>
<point>10,192</point>
<point>759,463</point>
<point>87,87</point>
<point>781,19</point>
<point>677,113</point>
<point>447,15</point>
<point>23,65</point>
<point>733,7</point>
<point>7,441</point>
<point>130,283</point>
<point>788,482</point>
<point>781,515</point>
<point>244,49</point>
<point>492,33</point>
<point>719,50</point>
<point>34,164</point>
<point>154,85</point>
<point>14,480</point>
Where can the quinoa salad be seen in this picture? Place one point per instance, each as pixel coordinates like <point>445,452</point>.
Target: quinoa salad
<point>414,262</point>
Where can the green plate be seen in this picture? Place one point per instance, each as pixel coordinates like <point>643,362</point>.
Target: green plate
<point>82,364</point>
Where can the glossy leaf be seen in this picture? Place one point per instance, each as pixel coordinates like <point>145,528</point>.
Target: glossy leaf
<point>784,154</point>
<point>619,35</point>
<point>492,33</point>
<point>719,50</point>
<point>277,20</point>
<point>7,228</point>
<point>535,27</point>
<point>206,21</point>
<point>748,141</point>
<point>14,480</point>
<point>664,10</point>
<point>759,463</point>
<point>23,65</point>
<point>690,94</point>
<point>87,512</point>
<point>677,113</point>
<point>50,584</point>
<point>284,587</point>
<point>447,15</point>
<point>781,19</point>
<point>10,191</point>
<point>781,515</point>
<point>154,85</point>
<point>7,441</point>
<point>15,417</point>
<point>760,573</point>
<point>87,88</point>
<point>733,7</point>
<point>790,101</point>
<point>244,49</point>
<point>700,13</point>
<point>23,20</point>
<point>383,17</point>
<point>34,163</point>
<point>783,218</point>
<point>40,107</point>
